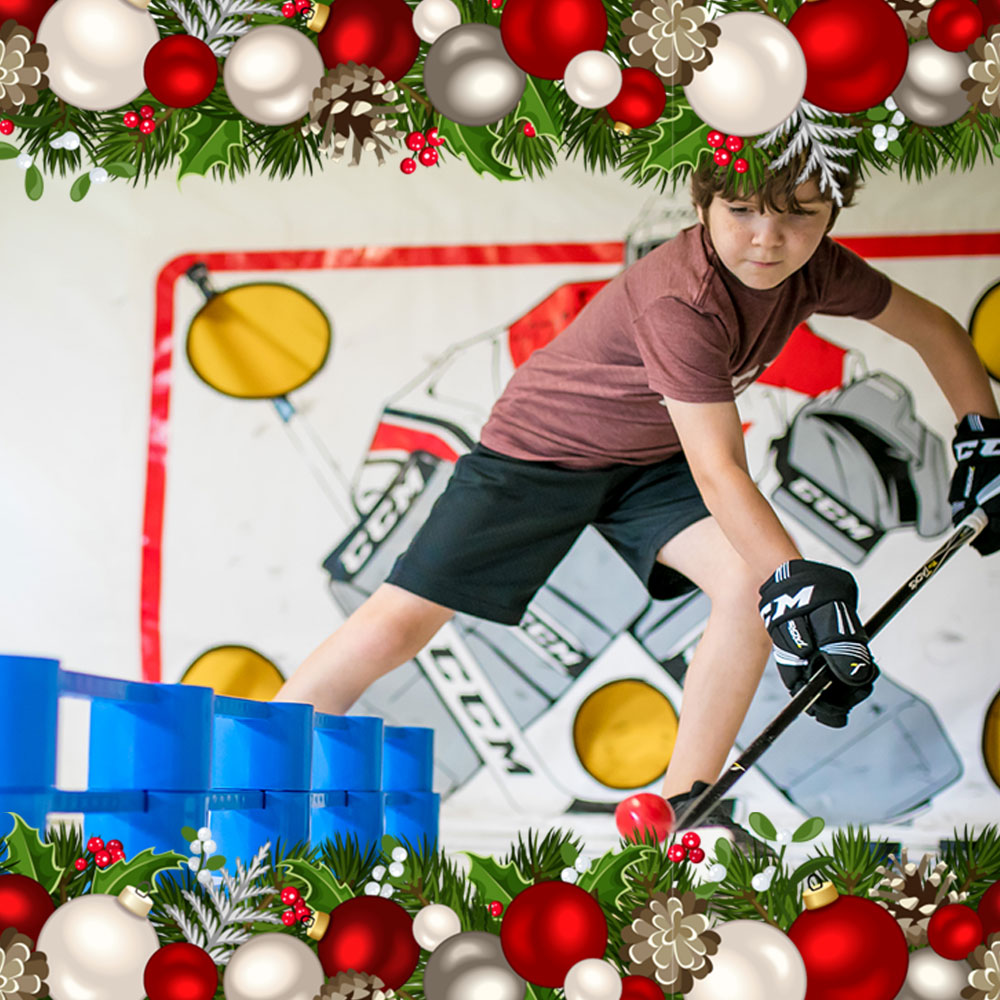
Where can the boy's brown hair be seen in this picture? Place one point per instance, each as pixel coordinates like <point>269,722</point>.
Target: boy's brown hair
<point>776,192</point>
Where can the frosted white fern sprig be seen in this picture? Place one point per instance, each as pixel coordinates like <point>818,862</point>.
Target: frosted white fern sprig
<point>221,21</point>
<point>810,134</point>
<point>219,931</point>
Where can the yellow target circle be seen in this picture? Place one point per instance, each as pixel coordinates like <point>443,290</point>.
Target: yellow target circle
<point>237,671</point>
<point>624,734</point>
<point>984,327</point>
<point>258,341</point>
<point>991,740</point>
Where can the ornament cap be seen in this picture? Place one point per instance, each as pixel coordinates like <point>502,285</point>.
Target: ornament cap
<point>135,901</point>
<point>320,15</point>
<point>321,921</point>
<point>818,896</point>
<point>623,127</point>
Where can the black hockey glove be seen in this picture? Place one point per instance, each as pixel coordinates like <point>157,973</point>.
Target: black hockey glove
<point>976,482</point>
<point>810,607</point>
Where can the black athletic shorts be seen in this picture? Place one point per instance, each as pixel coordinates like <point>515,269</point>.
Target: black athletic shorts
<point>502,525</point>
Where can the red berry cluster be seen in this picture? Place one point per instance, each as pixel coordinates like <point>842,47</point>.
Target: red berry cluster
<point>725,146</point>
<point>293,7</point>
<point>142,121</point>
<point>495,908</point>
<point>103,854</point>
<point>6,126</point>
<point>422,143</point>
<point>689,848</point>
<point>297,907</point>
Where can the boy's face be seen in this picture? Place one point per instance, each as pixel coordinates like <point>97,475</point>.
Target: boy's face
<point>762,249</point>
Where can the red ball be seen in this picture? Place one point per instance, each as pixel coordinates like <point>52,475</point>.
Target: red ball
<point>371,32</point>
<point>691,839</point>
<point>95,844</point>
<point>496,908</point>
<point>715,139</point>
<point>496,4</point>
<point>696,855</point>
<point>24,904</point>
<point>415,141</point>
<point>428,156</point>
<point>954,24</point>
<point>734,143</point>
<point>289,9</point>
<point>115,845</point>
<point>856,52</point>
<point>147,126</point>
<point>722,157</point>
<point>741,166</point>
<point>989,910</point>
<point>990,10</point>
<point>102,859</point>
<point>408,165</point>
<point>529,130</point>
<point>6,126</point>
<point>541,36</point>
<point>373,935</point>
<point>181,71</point>
<point>288,918</point>
<point>131,120</point>
<point>80,864</point>
<point>180,971</point>
<point>644,811</point>
<point>433,139</point>
<point>549,927</point>
<point>146,111</point>
<point>641,100</point>
<point>677,853</point>
<point>289,895</point>
<point>853,949</point>
<point>954,930</point>
<point>27,13</point>
<point>640,988</point>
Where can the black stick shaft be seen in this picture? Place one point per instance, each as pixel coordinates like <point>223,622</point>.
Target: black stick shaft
<point>818,683</point>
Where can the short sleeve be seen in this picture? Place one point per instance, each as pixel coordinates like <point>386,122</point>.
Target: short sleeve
<point>685,353</point>
<point>849,285</point>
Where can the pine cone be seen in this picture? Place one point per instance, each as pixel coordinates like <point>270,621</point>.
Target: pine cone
<point>22,969</point>
<point>22,67</point>
<point>984,980</point>
<point>984,86</point>
<point>912,896</point>
<point>669,941</point>
<point>670,37</point>
<point>354,986</point>
<point>353,99</point>
<point>913,14</point>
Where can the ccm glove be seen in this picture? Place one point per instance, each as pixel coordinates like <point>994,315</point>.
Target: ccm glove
<point>808,607</point>
<point>976,482</point>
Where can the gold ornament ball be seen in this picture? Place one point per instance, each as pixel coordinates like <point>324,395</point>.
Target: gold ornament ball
<point>273,966</point>
<point>271,73</point>
<point>96,50</point>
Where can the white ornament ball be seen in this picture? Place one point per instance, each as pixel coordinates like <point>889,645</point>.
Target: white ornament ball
<point>756,79</point>
<point>273,966</point>
<point>432,18</point>
<point>930,92</point>
<point>97,947</point>
<point>97,50</point>
<point>434,924</point>
<point>204,833</point>
<point>931,977</point>
<point>592,78</point>
<point>271,73</point>
<point>755,961</point>
<point>593,979</point>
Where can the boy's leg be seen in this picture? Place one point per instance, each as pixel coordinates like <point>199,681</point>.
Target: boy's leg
<point>728,662</point>
<point>391,627</point>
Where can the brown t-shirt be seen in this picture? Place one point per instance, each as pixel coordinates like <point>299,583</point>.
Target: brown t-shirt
<point>677,323</point>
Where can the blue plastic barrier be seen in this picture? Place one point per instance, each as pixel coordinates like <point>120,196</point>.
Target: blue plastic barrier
<point>164,756</point>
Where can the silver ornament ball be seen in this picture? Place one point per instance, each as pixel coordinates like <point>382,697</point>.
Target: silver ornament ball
<point>273,966</point>
<point>931,977</point>
<point>930,92</point>
<point>593,979</point>
<point>469,78</point>
<point>471,966</point>
<point>435,923</point>
<point>592,79</point>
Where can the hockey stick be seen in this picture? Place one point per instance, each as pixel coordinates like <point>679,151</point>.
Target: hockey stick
<point>968,529</point>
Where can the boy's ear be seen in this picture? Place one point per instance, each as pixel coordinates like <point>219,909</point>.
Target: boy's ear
<point>701,214</point>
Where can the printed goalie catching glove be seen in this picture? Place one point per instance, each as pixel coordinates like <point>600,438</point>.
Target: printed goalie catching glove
<point>808,608</point>
<point>976,482</point>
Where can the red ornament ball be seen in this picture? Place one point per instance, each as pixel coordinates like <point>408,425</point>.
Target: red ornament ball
<point>131,120</point>
<point>722,157</point>
<point>529,130</point>
<point>741,166</point>
<point>954,930</point>
<point>641,100</point>
<point>691,839</point>
<point>408,165</point>
<point>541,36</point>
<point>734,143</point>
<point>954,24</point>
<point>856,52</point>
<point>375,33</point>
<point>852,948</point>
<point>496,908</point>
<point>95,844</point>
<point>640,988</point>
<point>147,126</point>
<point>642,812</point>
<point>715,139</point>
<point>288,918</point>
<point>696,855</point>
<point>370,934</point>
<point>180,971</point>
<point>6,126</point>
<point>288,9</point>
<point>990,9</point>
<point>433,139</point>
<point>24,904</point>
<point>181,71</point>
<point>27,13</point>
<point>989,910</point>
<point>548,928</point>
<point>677,853</point>
<point>428,156</point>
<point>415,141</point>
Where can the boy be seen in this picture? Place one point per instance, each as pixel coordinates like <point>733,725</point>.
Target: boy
<point>627,420</point>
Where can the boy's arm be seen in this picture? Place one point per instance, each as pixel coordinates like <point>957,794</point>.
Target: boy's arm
<point>945,348</point>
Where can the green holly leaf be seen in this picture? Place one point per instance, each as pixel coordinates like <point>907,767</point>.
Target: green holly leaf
<point>28,855</point>
<point>539,105</point>
<point>493,880</point>
<point>606,876</point>
<point>318,885</point>
<point>80,187</point>
<point>144,867</point>
<point>8,152</point>
<point>207,143</point>
<point>34,183</point>
<point>878,114</point>
<point>126,170</point>
<point>809,830</point>
<point>762,826</point>
<point>676,140</point>
<point>477,145</point>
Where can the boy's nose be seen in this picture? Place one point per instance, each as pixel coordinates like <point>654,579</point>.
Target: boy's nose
<point>767,231</point>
